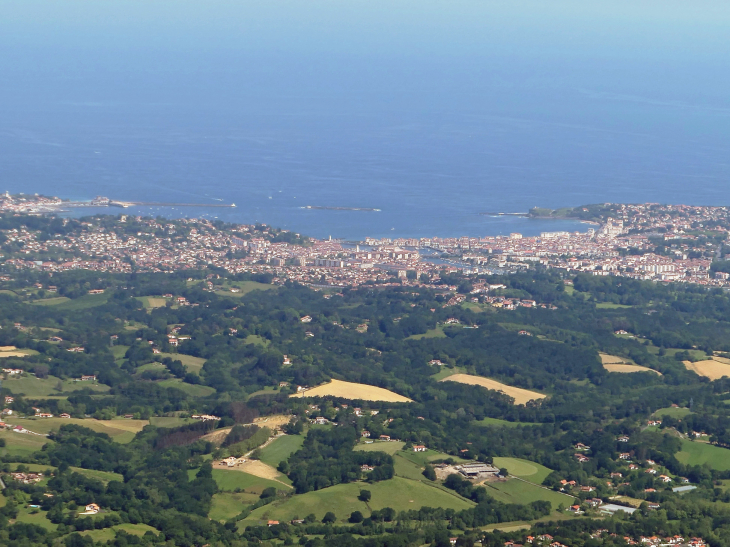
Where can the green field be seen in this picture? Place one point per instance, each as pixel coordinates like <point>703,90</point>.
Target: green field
<point>194,390</point>
<point>398,493</point>
<point>280,449</point>
<point>119,351</point>
<point>389,447</point>
<point>34,516</point>
<point>231,480</point>
<point>169,421</point>
<point>438,332</point>
<point>80,303</point>
<point>407,469</point>
<point>673,412</point>
<point>108,534</point>
<point>30,386</point>
<point>256,340</point>
<point>121,430</point>
<point>611,306</point>
<point>20,444</point>
<point>151,302</point>
<point>421,458</point>
<point>193,364</point>
<point>504,423</point>
<point>696,453</point>
<point>227,505</point>
<point>519,491</point>
<point>445,372</point>
<point>525,469</point>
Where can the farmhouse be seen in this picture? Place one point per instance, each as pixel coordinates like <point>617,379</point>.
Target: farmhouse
<point>477,470</point>
<point>419,448</point>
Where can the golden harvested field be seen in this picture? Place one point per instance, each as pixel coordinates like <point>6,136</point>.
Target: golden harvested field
<point>521,396</point>
<point>607,359</point>
<point>256,468</point>
<point>714,368</point>
<point>12,351</point>
<point>350,390</point>
<point>272,422</point>
<point>629,368</point>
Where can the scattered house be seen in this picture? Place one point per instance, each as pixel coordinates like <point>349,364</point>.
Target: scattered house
<point>205,417</point>
<point>91,509</point>
<point>587,488</point>
<point>13,372</point>
<point>366,468</point>
<point>633,467</point>
<point>309,334</point>
<point>306,319</point>
<point>624,456</point>
<point>88,378</point>
<point>435,362</point>
<point>273,523</point>
<point>654,422</point>
<point>665,478</point>
<point>581,446</point>
<point>96,291</point>
<point>8,399</point>
<point>364,433</point>
<point>419,448</point>
<point>594,502</point>
<point>623,439</point>
<point>575,509</point>
<point>283,384</point>
<point>651,471</point>
<point>286,361</point>
<point>27,478</point>
<point>650,462</point>
<point>76,350</point>
<point>452,321</point>
<point>621,331</point>
<point>385,437</point>
<point>616,475</point>
<point>524,333</point>
<point>581,458</point>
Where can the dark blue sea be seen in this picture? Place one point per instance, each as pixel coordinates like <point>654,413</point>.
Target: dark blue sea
<point>433,114</point>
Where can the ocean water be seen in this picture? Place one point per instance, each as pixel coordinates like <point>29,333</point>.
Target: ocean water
<point>432,117</point>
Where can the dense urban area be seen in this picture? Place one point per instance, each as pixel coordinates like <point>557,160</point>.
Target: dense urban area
<point>196,383</point>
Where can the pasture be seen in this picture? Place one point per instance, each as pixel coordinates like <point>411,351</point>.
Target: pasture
<point>31,386</point>
<point>108,534</point>
<point>697,453</point>
<point>714,368</point>
<point>521,396</point>
<point>524,469</point>
<point>522,492</point>
<point>12,351</point>
<point>193,364</point>
<point>438,332</point>
<point>389,447</point>
<point>502,423</point>
<point>121,430</point>
<point>673,412</point>
<point>194,390</point>
<point>227,505</point>
<point>398,493</point>
<point>280,449</point>
<point>229,480</point>
<point>21,444</point>
<point>353,391</point>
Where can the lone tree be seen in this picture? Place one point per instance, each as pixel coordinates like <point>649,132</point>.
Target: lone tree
<point>429,473</point>
<point>365,495</point>
<point>503,471</point>
<point>355,517</point>
<point>329,518</point>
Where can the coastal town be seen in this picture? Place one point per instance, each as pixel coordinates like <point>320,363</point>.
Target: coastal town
<point>662,243</point>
